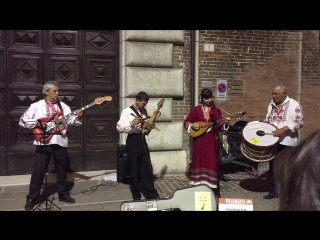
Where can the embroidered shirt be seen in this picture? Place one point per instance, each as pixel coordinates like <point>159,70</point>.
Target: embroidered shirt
<point>289,114</point>
<point>124,123</point>
<point>42,109</point>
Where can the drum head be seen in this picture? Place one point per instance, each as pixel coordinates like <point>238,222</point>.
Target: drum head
<point>250,134</point>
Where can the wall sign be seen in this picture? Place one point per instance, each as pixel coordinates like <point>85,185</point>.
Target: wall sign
<point>222,89</point>
<point>235,204</point>
<point>208,47</point>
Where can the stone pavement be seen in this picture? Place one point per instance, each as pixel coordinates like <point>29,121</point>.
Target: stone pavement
<point>94,194</point>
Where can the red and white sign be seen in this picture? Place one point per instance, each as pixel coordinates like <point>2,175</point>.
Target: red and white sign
<point>222,89</point>
<point>235,204</point>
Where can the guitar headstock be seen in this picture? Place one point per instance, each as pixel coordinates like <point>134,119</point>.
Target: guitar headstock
<point>160,102</point>
<point>102,99</point>
<point>239,115</point>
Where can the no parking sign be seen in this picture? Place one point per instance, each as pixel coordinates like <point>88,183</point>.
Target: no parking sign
<point>222,89</point>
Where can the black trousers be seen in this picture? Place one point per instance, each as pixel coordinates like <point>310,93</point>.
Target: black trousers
<point>272,183</point>
<point>138,158</point>
<point>42,159</point>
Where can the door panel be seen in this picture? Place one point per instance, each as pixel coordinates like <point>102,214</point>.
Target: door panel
<point>101,42</point>
<point>99,72</point>
<point>3,163</point>
<point>65,69</point>
<point>3,128</point>
<point>86,65</point>
<point>20,163</point>
<point>63,63</point>
<point>101,78</point>
<point>29,41</point>
<point>96,160</point>
<point>24,70</point>
<point>20,138</point>
<point>63,41</point>
<point>2,69</point>
<point>99,127</point>
<point>3,114</point>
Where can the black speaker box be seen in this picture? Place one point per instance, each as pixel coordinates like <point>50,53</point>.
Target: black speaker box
<point>123,174</point>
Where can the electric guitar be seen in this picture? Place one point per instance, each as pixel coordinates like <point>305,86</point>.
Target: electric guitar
<point>53,126</point>
<point>205,125</point>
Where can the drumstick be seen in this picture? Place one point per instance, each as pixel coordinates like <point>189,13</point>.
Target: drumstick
<point>262,133</point>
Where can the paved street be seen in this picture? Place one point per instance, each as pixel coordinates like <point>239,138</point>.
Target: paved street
<point>94,194</point>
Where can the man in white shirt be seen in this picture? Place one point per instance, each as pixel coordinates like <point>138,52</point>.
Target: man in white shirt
<point>286,115</point>
<point>47,120</point>
<point>138,155</point>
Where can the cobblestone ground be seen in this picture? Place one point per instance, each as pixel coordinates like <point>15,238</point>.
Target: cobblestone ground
<point>239,181</point>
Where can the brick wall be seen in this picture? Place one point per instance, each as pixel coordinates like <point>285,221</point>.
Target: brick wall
<point>260,59</point>
<point>182,59</point>
<point>310,81</point>
<point>181,107</point>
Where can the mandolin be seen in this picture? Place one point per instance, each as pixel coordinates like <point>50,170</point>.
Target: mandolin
<point>205,125</point>
<point>53,126</point>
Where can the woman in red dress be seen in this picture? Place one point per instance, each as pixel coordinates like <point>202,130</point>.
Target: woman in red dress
<point>204,148</point>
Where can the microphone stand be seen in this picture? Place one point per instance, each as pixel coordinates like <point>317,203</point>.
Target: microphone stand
<point>30,131</point>
<point>215,130</point>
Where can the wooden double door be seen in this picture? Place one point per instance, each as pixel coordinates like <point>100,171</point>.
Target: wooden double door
<point>86,65</point>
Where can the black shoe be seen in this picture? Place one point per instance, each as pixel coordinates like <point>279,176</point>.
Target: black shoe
<point>29,204</point>
<point>223,177</point>
<point>271,196</point>
<point>66,198</point>
<point>154,198</point>
<point>136,198</point>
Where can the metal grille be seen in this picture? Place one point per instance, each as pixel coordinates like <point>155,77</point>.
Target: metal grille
<point>229,146</point>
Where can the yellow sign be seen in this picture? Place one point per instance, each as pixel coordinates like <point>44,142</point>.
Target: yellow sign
<point>254,140</point>
<point>203,201</point>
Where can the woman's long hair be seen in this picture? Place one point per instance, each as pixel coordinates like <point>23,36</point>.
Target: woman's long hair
<point>206,93</point>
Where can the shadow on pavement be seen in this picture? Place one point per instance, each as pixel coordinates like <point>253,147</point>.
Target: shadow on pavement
<point>48,192</point>
<point>233,167</point>
<point>257,184</point>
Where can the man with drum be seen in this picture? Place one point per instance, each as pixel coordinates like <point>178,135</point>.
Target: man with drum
<point>286,115</point>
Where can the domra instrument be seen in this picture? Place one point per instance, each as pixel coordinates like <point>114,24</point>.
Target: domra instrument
<point>150,124</point>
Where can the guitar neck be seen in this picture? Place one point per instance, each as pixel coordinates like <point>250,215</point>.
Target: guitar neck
<point>216,122</point>
<point>87,106</point>
<point>83,108</point>
<point>221,120</point>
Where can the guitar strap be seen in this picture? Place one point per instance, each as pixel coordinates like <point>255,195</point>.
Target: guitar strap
<point>137,114</point>
<point>59,104</point>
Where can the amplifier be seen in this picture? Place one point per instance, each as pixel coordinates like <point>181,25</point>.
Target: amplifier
<point>123,175</point>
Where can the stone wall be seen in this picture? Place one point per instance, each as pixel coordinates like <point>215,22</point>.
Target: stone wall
<point>148,64</point>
